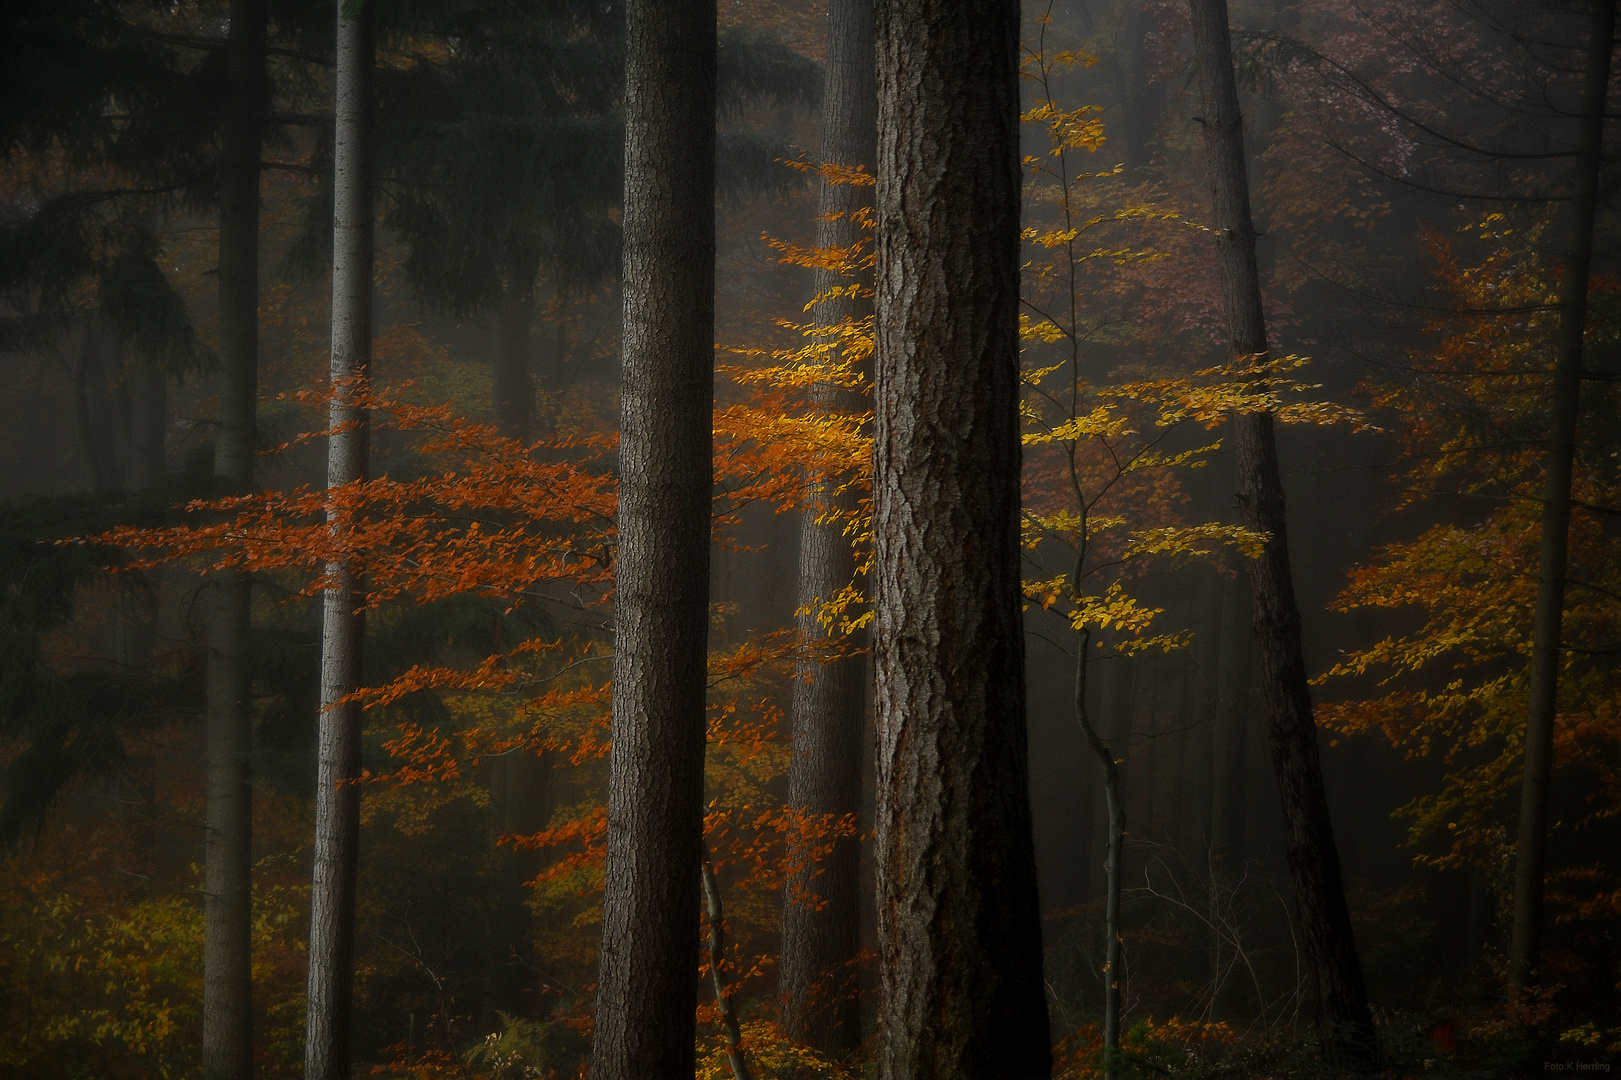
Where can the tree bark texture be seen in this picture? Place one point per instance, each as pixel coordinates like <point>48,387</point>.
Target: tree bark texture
<point>1344,1023</point>
<point>1530,858</point>
<point>337,791</point>
<point>647,984</point>
<point>958,919</point>
<point>228,839</point>
<point>822,912</point>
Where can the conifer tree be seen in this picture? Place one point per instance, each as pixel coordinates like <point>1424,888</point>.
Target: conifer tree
<point>228,843</point>
<point>958,920</point>
<point>822,913</point>
<point>647,985</point>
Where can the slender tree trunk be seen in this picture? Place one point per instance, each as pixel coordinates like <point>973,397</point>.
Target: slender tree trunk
<point>1231,742</point>
<point>1228,809</point>
<point>1139,99</point>
<point>959,925</point>
<point>715,914</point>
<point>521,785</point>
<point>1112,865</point>
<point>102,405</point>
<point>337,791</point>
<point>1530,857</point>
<point>520,781</point>
<point>89,408</point>
<point>147,471</point>
<point>1204,687</point>
<point>647,985</point>
<point>146,388</point>
<point>1146,96</point>
<point>513,388</point>
<point>116,420</point>
<point>1118,687</point>
<point>820,1005</point>
<point>228,841</point>
<point>1087,794</point>
<point>1344,1023</point>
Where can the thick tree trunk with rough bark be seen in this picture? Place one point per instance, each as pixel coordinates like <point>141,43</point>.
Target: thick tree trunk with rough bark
<point>958,920</point>
<point>1530,857</point>
<point>337,791</point>
<point>822,912</point>
<point>1344,1023</point>
<point>228,840</point>
<point>647,984</point>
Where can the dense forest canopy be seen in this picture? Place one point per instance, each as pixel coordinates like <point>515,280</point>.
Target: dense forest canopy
<point>772,539</point>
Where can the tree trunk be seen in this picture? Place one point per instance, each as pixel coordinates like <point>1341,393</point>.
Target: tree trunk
<point>113,389</point>
<point>228,840</point>
<point>520,781</point>
<point>1115,816</point>
<point>1203,688</point>
<point>1118,688</point>
<point>337,791</point>
<point>647,984</point>
<point>1344,1024</point>
<point>86,363</point>
<point>820,1005</point>
<point>512,388</point>
<point>715,914</point>
<point>1230,744</point>
<point>1230,752</point>
<point>958,919</point>
<point>102,404</point>
<point>1144,97</point>
<point>147,471</point>
<point>1530,856</point>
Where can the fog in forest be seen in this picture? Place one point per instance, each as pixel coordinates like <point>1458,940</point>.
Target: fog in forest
<point>1120,576</point>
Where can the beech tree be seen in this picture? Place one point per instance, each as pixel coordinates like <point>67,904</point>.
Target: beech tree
<point>1344,1024</point>
<point>647,985</point>
<point>822,913</point>
<point>958,919</point>
<point>337,792</point>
